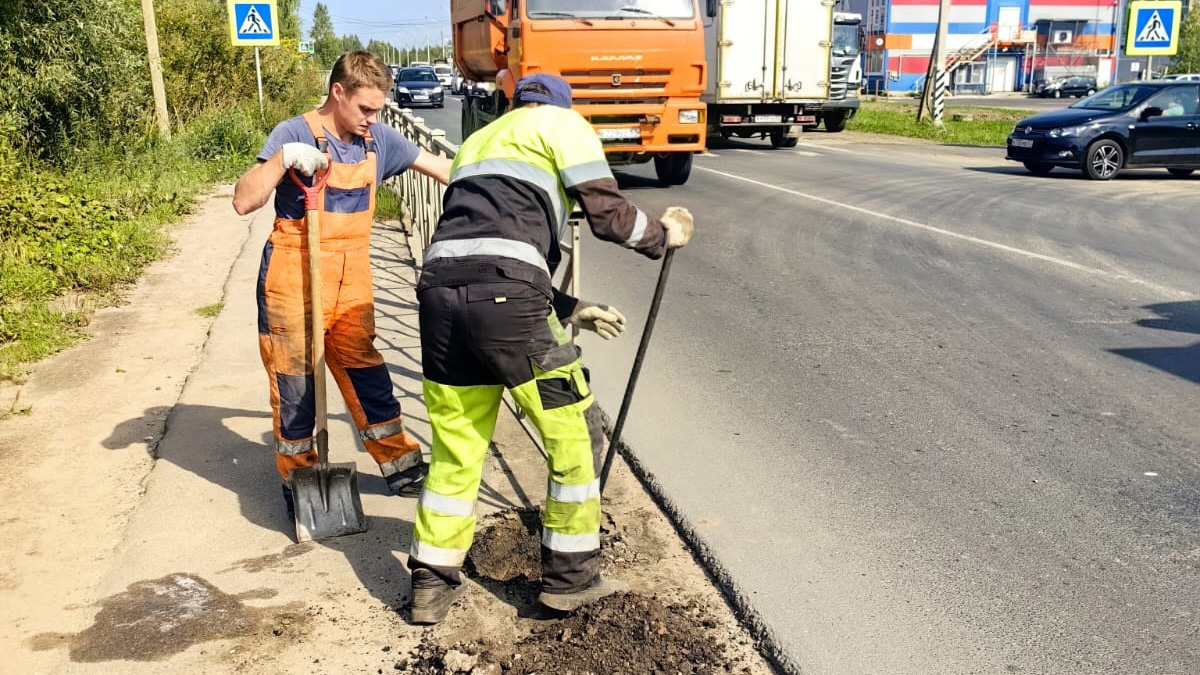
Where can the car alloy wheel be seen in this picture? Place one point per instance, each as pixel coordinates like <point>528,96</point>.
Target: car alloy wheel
<point>1104,160</point>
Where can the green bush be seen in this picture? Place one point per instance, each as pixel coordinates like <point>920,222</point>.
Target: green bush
<point>91,229</point>
<point>234,135</point>
<point>204,72</point>
<point>87,182</point>
<point>72,72</point>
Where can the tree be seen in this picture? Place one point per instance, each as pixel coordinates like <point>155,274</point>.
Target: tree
<point>384,50</point>
<point>351,43</point>
<point>326,45</point>
<point>289,19</point>
<point>204,72</point>
<point>1187,59</point>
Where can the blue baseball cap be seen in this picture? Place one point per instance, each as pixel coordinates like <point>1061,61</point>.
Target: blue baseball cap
<point>559,90</point>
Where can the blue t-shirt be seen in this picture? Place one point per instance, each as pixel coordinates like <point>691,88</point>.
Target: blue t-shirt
<point>394,154</point>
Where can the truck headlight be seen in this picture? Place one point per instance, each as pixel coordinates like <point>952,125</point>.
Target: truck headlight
<point>689,116</point>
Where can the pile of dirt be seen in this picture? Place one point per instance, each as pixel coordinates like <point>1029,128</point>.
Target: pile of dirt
<point>623,633</point>
<point>508,546</point>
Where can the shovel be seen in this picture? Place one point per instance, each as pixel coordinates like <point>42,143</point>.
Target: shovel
<point>326,495</point>
<point>615,440</point>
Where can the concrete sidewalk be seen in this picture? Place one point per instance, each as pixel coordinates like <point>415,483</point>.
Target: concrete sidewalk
<point>204,575</point>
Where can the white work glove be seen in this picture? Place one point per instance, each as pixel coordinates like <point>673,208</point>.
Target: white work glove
<point>602,320</point>
<point>304,158</point>
<point>678,222</point>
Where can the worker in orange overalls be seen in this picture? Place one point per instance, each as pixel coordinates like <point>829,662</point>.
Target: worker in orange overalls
<point>344,137</point>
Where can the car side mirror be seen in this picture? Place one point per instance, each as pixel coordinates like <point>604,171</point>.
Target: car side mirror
<point>1151,111</point>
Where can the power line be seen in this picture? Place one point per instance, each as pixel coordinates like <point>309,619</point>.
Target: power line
<point>399,23</point>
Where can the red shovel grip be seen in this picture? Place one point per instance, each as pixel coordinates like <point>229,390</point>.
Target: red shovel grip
<point>310,193</point>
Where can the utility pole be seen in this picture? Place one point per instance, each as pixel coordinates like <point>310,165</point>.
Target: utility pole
<point>933,94</point>
<point>156,79</point>
<point>442,36</point>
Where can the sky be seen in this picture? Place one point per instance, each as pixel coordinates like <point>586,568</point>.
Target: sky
<point>400,22</point>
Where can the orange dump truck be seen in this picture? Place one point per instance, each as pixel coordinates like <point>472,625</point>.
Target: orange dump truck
<point>636,68</point>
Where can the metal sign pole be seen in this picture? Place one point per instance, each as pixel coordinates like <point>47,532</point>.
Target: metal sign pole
<point>258,75</point>
<point>252,24</point>
<point>1119,21</point>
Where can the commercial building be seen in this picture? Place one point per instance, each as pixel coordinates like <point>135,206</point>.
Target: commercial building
<point>992,45</point>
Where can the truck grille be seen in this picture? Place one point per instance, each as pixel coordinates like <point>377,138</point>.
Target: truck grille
<point>607,84</point>
<point>655,100</point>
<point>839,74</point>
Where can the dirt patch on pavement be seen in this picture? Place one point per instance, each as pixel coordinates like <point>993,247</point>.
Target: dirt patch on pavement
<point>624,633</point>
<point>154,619</point>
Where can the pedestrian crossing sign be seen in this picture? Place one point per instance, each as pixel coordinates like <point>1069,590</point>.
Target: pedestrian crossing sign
<point>253,23</point>
<point>1153,27</point>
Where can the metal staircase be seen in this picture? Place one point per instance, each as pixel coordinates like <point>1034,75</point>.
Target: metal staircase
<point>973,49</point>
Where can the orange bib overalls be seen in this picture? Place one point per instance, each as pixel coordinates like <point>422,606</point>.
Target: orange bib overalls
<point>347,208</point>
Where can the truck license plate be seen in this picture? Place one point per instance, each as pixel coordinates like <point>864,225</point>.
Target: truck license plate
<point>768,119</point>
<point>620,134</point>
<point>1022,143</point>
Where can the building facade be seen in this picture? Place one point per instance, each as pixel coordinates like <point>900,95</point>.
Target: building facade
<point>992,45</point>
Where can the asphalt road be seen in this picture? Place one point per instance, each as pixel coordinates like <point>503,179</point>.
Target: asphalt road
<point>931,414</point>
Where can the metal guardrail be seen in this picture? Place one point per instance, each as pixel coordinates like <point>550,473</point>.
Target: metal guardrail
<point>421,195</point>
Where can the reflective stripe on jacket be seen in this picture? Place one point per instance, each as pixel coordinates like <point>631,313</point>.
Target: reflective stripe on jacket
<point>512,187</point>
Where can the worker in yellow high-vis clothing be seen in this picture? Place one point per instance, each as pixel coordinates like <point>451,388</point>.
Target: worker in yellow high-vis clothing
<point>491,319</point>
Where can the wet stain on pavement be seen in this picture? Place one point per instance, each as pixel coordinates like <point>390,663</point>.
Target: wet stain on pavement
<point>154,619</point>
<point>272,561</point>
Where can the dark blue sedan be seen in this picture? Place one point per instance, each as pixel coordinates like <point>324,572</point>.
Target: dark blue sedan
<point>1134,125</point>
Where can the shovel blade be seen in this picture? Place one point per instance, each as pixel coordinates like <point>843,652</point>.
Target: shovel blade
<point>344,514</point>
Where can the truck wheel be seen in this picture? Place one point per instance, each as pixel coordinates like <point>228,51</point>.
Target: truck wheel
<point>780,139</point>
<point>673,168</point>
<point>468,117</point>
<point>835,121</point>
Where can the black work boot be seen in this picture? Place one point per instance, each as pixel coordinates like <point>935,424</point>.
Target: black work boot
<point>409,482</point>
<point>432,597</point>
<point>289,500</point>
<point>597,589</point>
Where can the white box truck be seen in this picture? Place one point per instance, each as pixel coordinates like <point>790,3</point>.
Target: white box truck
<point>776,66</point>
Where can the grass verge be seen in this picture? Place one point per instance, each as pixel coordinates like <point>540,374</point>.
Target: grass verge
<point>387,204</point>
<point>988,126</point>
<point>87,231</point>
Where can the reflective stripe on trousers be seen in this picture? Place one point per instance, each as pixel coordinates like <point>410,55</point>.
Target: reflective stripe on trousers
<point>558,401</point>
<point>284,306</point>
